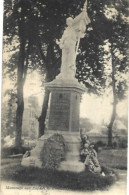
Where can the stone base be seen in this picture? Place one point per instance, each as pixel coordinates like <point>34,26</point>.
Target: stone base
<point>73,166</point>
<point>31,161</point>
<point>34,159</point>
<point>72,159</point>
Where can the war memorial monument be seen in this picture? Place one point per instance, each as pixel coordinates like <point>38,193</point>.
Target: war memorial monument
<point>64,99</point>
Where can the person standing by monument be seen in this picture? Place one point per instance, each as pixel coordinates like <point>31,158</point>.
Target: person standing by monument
<point>70,41</point>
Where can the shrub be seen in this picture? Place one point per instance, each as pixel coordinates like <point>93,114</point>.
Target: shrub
<point>99,144</point>
<point>122,143</point>
<point>59,179</point>
<point>115,145</point>
<point>53,151</point>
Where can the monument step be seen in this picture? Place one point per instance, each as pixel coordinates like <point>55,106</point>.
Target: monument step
<point>31,162</point>
<point>73,156</point>
<point>73,166</point>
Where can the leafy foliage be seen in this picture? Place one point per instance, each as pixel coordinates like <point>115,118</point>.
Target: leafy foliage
<point>53,151</point>
<point>43,22</point>
<point>9,114</point>
<point>109,23</point>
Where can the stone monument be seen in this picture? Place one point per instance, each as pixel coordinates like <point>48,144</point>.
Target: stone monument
<point>65,96</point>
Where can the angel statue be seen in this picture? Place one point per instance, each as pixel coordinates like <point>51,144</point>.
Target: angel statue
<point>69,42</point>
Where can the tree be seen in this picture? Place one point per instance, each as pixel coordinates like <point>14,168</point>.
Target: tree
<point>17,23</point>
<point>109,24</point>
<point>118,40</point>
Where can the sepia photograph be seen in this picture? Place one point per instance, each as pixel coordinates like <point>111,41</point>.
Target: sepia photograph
<point>64,97</point>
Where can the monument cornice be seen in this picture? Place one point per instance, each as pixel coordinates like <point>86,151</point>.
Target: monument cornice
<point>66,85</point>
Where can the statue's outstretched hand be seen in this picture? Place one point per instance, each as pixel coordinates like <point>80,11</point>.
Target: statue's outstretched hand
<point>60,43</point>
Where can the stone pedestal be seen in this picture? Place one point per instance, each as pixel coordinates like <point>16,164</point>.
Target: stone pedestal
<point>63,118</point>
<point>64,106</point>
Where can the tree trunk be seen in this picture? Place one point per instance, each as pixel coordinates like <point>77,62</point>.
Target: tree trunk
<point>110,126</point>
<point>20,100</point>
<point>19,115</point>
<point>43,113</point>
<point>50,75</point>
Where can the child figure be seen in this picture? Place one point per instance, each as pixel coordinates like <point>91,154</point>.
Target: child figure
<point>85,152</point>
<point>91,160</point>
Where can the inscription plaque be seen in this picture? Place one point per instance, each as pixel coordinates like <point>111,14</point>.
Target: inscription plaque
<point>59,111</point>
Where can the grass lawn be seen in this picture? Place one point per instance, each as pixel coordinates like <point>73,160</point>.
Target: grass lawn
<point>8,161</point>
<point>57,179</point>
<point>115,158</point>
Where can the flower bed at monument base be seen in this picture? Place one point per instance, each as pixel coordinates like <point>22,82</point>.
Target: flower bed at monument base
<point>59,179</point>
